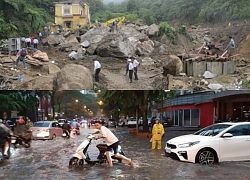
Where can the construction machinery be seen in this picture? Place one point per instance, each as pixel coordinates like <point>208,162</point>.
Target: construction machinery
<point>119,20</point>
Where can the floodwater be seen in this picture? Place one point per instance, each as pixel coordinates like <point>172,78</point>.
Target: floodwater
<point>49,160</point>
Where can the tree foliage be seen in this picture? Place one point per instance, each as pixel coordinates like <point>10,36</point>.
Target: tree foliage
<point>25,17</point>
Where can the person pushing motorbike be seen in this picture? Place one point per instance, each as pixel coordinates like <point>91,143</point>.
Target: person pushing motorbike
<point>5,133</point>
<point>66,128</point>
<point>112,143</point>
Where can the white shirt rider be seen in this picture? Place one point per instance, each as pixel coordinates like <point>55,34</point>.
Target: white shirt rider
<point>110,137</point>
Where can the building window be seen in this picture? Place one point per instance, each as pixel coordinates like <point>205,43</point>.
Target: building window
<point>195,117</point>
<point>66,10</point>
<point>176,117</point>
<point>68,24</point>
<point>187,119</point>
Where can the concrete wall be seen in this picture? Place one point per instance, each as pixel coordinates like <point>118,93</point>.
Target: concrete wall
<point>194,68</point>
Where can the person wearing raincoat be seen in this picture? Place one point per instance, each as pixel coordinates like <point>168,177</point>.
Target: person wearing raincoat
<point>157,133</point>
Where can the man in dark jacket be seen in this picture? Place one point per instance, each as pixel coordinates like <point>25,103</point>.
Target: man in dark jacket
<point>66,128</point>
<point>22,130</point>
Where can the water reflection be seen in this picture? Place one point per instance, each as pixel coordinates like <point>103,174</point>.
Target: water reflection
<point>49,160</point>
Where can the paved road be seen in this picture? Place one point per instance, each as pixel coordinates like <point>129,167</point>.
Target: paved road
<point>49,160</point>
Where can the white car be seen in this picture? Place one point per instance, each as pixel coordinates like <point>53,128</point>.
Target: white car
<point>131,122</point>
<point>213,144</point>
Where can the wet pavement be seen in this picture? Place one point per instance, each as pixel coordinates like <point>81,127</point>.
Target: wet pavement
<point>49,160</point>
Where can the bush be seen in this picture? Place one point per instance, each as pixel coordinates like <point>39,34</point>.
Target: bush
<point>165,28</point>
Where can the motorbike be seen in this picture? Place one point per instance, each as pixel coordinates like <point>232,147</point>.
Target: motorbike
<point>66,134</point>
<point>82,155</point>
<point>75,131</point>
<point>11,140</point>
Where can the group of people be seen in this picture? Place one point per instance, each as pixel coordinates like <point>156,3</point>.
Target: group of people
<point>131,68</point>
<point>20,130</point>
<point>30,41</point>
<point>67,126</point>
<point>27,43</point>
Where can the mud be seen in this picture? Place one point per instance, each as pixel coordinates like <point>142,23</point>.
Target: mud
<point>49,160</point>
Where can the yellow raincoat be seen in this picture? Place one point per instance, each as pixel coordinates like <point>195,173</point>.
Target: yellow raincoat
<point>157,133</point>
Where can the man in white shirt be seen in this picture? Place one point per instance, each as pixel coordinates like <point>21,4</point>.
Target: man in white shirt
<point>112,143</point>
<point>135,64</point>
<point>28,41</point>
<point>130,70</point>
<point>97,69</point>
<point>35,43</point>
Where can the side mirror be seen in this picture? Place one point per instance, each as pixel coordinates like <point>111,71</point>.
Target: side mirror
<point>227,135</point>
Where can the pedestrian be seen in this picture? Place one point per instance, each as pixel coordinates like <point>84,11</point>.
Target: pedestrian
<point>135,65</point>
<point>97,69</point>
<point>40,36</point>
<point>29,123</point>
<point>231,45</point>
<point>35,43</point>
<point>112,143</point>
<point>28,41</point>
<point>157,133</point>
<point>21,56</point>
<point>127,64</point>
<point>130,70</point>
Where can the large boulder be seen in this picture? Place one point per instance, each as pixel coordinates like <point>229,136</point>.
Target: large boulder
<point>172,65</point>
<point>73,77</point>
<point>145,48</point>
<point>152,30</point>
<point>53,69</point>
<point>53,40</point>
<point>72,46</point>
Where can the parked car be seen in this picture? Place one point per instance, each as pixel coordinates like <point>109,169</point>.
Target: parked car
<point>111,123</point>
<point>216,143</point>
<point>167,122</point>
<point>12,122</point>
<point>131,122</point>
<point>46,130</point>
<point>122,122</point>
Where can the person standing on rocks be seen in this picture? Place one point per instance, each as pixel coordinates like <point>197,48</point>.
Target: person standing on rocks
<point>21,56</point>
<point>130,70</point>
<point>97,69</point>
<point>135,65</point>
<point>157,133</point>
<point>231,45</point>
<point>127,64</point>
<point>40,36</point>
<point>35,43</point>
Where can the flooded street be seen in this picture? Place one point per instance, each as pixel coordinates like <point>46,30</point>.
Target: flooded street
<point>49,160</point>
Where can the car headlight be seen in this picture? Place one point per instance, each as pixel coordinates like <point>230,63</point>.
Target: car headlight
<point>185,145</point>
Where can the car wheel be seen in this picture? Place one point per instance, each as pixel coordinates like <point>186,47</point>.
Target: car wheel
<point>206,156</point>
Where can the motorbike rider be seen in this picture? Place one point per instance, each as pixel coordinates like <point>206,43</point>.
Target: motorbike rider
<point>5,133</point>
<point>21,130</point>
<point>75,124</point>
<point>112,143</point>
<point>66,128</point>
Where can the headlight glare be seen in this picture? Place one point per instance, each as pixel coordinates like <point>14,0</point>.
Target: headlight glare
<point>185,145</point>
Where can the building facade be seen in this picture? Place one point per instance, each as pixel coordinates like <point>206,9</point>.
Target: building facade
<point>71,14</point>
<point>202,109</point>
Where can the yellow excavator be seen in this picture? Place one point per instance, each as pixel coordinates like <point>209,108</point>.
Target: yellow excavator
<point>119,19</point>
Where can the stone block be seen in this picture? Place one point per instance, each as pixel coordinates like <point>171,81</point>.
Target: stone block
<point>229,67</point>
<point>214,67</point>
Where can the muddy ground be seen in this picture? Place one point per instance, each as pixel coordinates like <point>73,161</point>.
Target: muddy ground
<point>150,77</point>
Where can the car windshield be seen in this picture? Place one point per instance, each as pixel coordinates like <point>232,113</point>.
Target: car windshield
<point>212,130</point>
<point>41,124</point>
<point>61,121</point>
